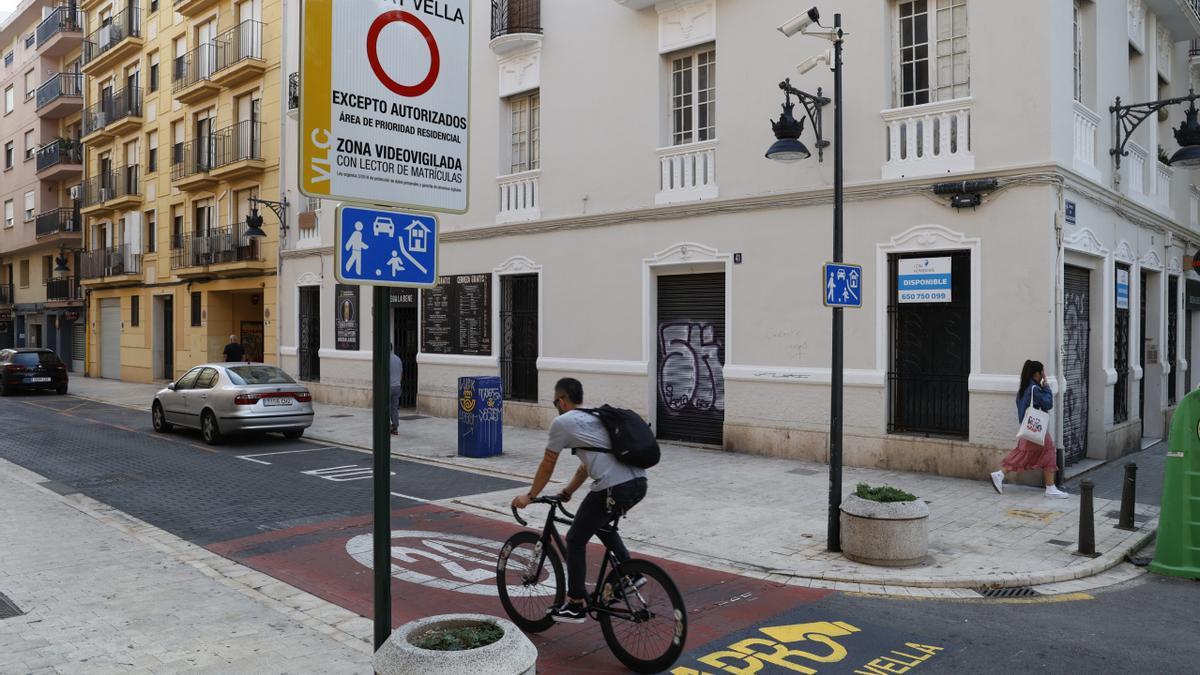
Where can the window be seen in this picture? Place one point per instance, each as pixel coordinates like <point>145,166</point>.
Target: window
<point>8,213</point>
<point>947,74</point>
<point>176,227</point>
<point>30,150</point>
<point>135,310</point>
<point>29,40</point>
<point>526,150</point>
<point>8,155</point>
<point>152,152</point>
<point>242,376</point>
<point>154,70</point>
<point>47,268</point>
<point>196,308</point>
<point>153,6</point>
<point>151,230</point>
<point>1077,59</point>
<point>207,379</point>
<point>177,142</point>
<point>694,96</point>
<point>8,99</point>
<point>188,379</point>
<point>8,59</point>
<point>29,205</point>
<point>30,85</point>
<point>24,273</point>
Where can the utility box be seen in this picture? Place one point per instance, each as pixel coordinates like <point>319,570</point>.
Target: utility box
<point>1177,552</point>
<point>480,416</point>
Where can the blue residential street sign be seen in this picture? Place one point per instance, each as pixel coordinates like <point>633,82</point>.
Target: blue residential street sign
<point>842,285</point>
<point>386,248</point>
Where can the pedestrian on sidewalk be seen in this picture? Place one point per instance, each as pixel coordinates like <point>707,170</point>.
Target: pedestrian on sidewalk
<point>397,379</point>
<point>1028,456</point>
<point>234,351</point>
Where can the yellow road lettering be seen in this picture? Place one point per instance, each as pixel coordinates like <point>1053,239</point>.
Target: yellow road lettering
<point>715,659</point>
<point>928,649</point>
<point>778,657</point>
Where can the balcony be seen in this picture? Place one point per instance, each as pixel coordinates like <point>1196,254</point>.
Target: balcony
<point>520,197</point>
<point>239,54</point>
<point>62,223</point>
<point>222,249</point>
<point>687,173</point>
<point>1180,17</point>
<point>114,264</point>
<point>64,291</point>
<point>192,163</point>
<point>928,140</point>
<point>1084,130</point>
<point>113,41</point>
<point>293,100</point>
<point>1163,175</point>
<point>191,8</point>
<point>192,81</point>
<point>115,114</point>
<point>1135,178</point>
<point>126,188</point>
<point>238,151</point>
<point>60,159</point>
<point>515,24</point>
<point>60,32</point>
<point>6,294</point>
<point>60,96</point>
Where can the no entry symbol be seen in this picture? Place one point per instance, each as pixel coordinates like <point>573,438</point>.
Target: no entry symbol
<point>435,59</point>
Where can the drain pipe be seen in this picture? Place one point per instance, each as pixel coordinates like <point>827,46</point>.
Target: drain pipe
<point>285,45</point>
<point>1059,333</point>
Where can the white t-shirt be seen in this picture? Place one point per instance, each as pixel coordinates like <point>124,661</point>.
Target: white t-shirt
<point>577,429</point>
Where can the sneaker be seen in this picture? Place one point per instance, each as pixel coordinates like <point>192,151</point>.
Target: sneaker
<point>998,481</point>
<point>395,431</point>
<point>569,612</point>
<point>1053,491</point>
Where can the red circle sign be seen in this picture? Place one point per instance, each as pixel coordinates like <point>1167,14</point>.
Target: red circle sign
<point>435,59</point>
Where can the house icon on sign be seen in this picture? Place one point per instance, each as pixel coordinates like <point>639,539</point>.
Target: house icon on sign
<point>418,235</point>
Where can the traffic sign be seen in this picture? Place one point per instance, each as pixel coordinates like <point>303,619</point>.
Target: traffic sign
<point>842,285</point>
<point>386,248</point>
<point>384,102</point>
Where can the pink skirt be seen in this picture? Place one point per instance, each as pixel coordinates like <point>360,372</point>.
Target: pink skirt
<point>1029,456</point>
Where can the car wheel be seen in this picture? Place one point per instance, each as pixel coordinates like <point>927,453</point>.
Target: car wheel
<point>161,425</point>
<point>293,434</point>
<point>209,429</point>
<point>61,390</point>
<point>4,390</point>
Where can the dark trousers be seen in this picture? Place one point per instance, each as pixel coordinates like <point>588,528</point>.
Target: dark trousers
<point>595,512</point>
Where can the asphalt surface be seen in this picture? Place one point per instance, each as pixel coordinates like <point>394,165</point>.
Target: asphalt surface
<point>300,512</point>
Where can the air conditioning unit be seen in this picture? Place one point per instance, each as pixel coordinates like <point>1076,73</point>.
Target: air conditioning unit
<point>76,192</point>
<point>106,194</point>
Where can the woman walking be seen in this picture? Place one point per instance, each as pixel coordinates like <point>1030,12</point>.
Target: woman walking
<point>1028,456</point>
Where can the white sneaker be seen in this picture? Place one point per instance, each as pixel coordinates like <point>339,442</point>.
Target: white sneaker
<point>1053,491</point>
<point>998,481</point>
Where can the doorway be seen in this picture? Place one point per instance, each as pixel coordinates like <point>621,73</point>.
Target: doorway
<point>309,348</point>
<point>519,337</point>
<point>690,341</point>
<point>164,337</point>
<point>404,342</point>
<point>1077,327</point>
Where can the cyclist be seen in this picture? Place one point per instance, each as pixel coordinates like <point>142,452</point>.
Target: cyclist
<point>616,488</point>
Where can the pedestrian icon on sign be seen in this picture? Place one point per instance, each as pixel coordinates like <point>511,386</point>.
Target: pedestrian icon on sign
<point>356,246</point>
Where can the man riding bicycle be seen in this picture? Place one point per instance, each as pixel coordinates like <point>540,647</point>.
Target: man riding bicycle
<point>616,488</point>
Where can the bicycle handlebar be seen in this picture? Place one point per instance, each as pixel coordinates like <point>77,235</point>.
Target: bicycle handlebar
<point>554,502</point>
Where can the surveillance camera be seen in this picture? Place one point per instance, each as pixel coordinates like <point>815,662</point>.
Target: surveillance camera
<point>811,62</point>
<point>800,22</point>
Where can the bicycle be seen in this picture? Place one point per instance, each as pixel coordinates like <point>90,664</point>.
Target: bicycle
<point>638,606</point>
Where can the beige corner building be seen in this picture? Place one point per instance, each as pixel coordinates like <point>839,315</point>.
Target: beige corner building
<point>41,304</point>
<point>179,99</point>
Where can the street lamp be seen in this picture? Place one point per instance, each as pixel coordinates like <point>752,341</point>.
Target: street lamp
<point>1127,118</point>
<point>60,263</point>
<point>254,222</point>
<point>787,147</point>
<point>803,24</point>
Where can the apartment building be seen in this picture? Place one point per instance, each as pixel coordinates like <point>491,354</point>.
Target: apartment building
<point>41,304</point>
<point>179,142</point>
<point>626,229</point>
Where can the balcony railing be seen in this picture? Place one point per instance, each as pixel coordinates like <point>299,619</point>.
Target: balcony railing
<point>1084,130</point>
<point>1137,169</point>
<point>109,185</point>
<point>62,20</point>
<point>58,221</point>
<point>220,245</point>
<point>687,172</point>
<point>59,151</point>
<point>123,25</point>
<point>110,262</point>
<point>120,104</point>
<point>127,181</point>
<point>516,16</point>
<point>63,290</point>
<point>294,91</point>
<point>929,139</point>
<point>243,41</point>
<point>520,197</point>
<point>1162,183</point>
<point>194,157</point>
<point>59,85</point>
<point>238,142</point>
<point>95,190</point>
<point>194,66</point>
<point>6,294</point>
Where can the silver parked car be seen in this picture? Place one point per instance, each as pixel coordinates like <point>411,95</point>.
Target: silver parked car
<point>226,398</point>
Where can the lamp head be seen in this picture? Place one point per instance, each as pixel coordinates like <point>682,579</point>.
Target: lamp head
<point>787,146</point>
<point>60,264</point>
<point>254,224</point>
<point>1188,137</point>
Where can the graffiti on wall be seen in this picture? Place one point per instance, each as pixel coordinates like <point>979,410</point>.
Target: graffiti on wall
<point>690,375</point>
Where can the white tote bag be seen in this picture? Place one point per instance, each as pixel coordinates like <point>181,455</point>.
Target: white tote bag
<point>1035,424</point>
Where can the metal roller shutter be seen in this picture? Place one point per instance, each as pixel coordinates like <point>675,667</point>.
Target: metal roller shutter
<point>78,344</point>
<point>1076,357</point>
<point>110,338</point>
<point>690,338</point>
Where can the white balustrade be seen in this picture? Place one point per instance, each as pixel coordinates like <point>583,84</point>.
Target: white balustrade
<point>1162,184</point>
<point>520,197</point>
<point>687,173</point>
<point>928,140</point>
<point>1084,131</point>
<point>1136,161</point>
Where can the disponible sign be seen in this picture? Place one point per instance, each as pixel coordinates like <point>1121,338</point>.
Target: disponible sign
<point>1123,289</point>
<point>384,101</point>
<point>923,280</point>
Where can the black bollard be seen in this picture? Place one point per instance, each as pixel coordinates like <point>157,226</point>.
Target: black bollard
<point>1128,492</point>
<point>1087,528</point>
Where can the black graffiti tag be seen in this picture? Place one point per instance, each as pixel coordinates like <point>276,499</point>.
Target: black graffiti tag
<point>689,367</point>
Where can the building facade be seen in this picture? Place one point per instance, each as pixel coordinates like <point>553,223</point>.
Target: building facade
<point>41,303</point>
<point>180,138</point>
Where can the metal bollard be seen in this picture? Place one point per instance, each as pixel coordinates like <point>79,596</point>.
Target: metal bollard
<point>1087,528</point>
<point>1128,494</point>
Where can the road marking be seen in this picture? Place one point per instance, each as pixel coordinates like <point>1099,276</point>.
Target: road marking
<point>283,452</point>
<point>344,473</point>
<point>415,499</point>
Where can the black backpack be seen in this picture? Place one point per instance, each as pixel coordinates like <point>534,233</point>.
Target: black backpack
<point>633,440</point>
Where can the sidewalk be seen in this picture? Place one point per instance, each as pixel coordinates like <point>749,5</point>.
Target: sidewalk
<point>766,516</point>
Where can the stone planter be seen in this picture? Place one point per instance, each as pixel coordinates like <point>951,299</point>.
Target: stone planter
<point>894,534</point>
<point>512,654</point>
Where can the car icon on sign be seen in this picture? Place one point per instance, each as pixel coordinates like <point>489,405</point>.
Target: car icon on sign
<point>384,224</point>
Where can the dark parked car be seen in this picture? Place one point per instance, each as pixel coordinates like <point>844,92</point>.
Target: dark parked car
<point>31,369</point>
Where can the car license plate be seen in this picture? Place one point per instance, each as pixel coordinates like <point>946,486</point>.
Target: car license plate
<point>277,400</point>
<point>37,379</point>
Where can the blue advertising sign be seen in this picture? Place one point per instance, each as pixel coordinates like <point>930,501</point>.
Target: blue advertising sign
<point>923,280</point>
<point>842,286</point>
<point>1122,289</point>
<point>386,248</point>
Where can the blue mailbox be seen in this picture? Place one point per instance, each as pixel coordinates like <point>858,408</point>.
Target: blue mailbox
<point>480,416</point>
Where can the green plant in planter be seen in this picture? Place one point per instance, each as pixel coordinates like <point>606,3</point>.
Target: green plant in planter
<point>459,638</point>
<point>884,493</point>
<point>1163,156</point>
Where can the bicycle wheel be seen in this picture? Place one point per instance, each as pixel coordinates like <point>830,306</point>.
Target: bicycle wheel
<point>646,627</point>
<point>530,580</point>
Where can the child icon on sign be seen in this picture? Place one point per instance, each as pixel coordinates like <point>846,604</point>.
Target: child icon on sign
<point>356,246</point>
<point>396,263</point>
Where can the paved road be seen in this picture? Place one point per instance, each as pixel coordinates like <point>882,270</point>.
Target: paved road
<point>300,512</point>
